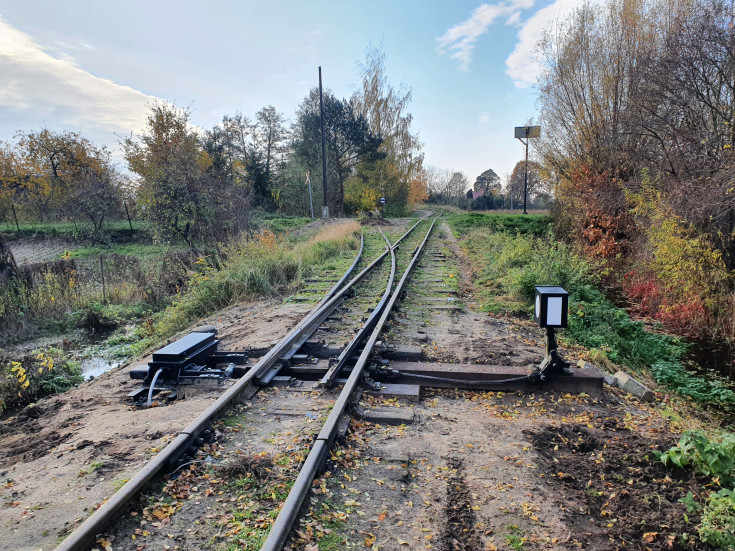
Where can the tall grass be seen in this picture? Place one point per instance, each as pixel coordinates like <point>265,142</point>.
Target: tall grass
<point>92,292</point>
<point>255,267</point>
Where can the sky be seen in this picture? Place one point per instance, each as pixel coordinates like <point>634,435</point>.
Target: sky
<point>92,66</point>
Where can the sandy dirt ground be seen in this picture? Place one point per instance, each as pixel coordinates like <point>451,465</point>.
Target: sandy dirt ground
<point>469,470</point>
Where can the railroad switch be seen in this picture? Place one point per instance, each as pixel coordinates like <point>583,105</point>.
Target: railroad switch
<point>192,360</point>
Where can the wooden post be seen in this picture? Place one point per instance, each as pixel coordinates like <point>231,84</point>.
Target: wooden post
<point>102,275</point>
<point>125,204</point>
<point>15,217</point>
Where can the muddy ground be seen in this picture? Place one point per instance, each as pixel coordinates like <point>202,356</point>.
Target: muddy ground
<point>466,470</point>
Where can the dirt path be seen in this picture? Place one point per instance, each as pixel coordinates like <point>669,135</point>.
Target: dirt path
<point>63,457</point>
<point>469,471</point>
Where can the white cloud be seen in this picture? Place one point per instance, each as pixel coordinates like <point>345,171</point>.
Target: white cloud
<point>39,88</point>
<point>521,64</point>
<point>484,118</point>
<point>459,41</point>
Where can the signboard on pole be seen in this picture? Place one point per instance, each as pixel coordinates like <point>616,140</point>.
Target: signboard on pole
<point>528,132</point>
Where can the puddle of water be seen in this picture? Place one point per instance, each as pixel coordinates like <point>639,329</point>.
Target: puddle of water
<point>94,367</point>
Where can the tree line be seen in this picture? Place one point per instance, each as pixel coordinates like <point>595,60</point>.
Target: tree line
<point>637,101</point>
<point>193,185</point>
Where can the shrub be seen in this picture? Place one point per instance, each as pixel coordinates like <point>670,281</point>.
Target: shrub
<point>718,520</point>
<point>42,373</point>
<point>715,459</point>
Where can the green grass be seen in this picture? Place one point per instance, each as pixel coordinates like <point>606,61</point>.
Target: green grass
<point>67,229</point>
<point>139,250</point>
<point>528,224</point>
<point>92,467</point>
<point>280,224</point>
<point>515,537</point>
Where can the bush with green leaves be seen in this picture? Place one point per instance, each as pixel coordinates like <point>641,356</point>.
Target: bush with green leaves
<point>717,527</point>
<point>713,389</point>
<point>712,458</point>
<point>715,459</point>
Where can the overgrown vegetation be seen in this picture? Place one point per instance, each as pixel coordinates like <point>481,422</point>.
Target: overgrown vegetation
<point>100,287</point>
<point>715,460</point>
<point>258,266</point>
<point>636,104</point>
<point>35,375</point>
<point>163,294</point>
<point>510,265</point>
<point>537,225</point>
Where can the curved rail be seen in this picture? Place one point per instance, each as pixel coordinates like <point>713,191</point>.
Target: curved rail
<point>83,536</point>
<point>290,510</point>
<point>349,350</point>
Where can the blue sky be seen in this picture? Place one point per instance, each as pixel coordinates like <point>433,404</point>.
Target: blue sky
<point>91,66</point>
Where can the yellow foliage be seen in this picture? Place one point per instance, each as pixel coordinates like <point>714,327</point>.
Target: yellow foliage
<point>685,261</point>
<point>267,238</point>
<point>418,190</point>
<point>360,196</point>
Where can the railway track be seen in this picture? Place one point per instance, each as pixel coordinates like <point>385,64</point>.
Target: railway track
<point>283,358</point>
<point>352,340</point>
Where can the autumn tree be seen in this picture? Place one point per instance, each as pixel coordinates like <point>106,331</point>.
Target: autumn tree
<point>487,182</point>
<point>60,175</point>
<point>176,194</point>
<point>96,192</point>
<point>419,188</point>
<point>685,106</point>
<point>386,110</point>
<point>49,163</point>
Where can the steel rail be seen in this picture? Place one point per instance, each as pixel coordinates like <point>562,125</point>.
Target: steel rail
<point>329,306</point>
<point>290,510</point>
<point>331,375</point>
<point>85,533</point>
<point>349,350</point>
<point>83,536</point>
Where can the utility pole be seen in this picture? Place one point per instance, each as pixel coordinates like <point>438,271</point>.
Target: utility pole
<point>527,132</point>
<point>311,203</point>
<point>325,206</point>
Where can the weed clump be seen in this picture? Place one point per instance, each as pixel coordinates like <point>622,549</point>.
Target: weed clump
<point>36,375</point>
